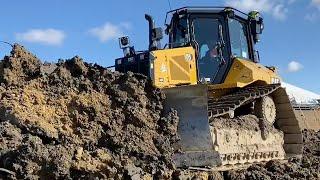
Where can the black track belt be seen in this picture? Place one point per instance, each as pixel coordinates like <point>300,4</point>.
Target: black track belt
<point>229,103</point>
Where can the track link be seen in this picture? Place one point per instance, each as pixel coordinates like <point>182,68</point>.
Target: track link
<point>253,157</point>
<point>229,103</point>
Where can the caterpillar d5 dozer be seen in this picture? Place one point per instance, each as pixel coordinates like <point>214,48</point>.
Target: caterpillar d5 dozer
<point>210,72</point>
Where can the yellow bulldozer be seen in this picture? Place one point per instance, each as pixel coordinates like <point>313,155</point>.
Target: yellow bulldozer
<point>210,70</point>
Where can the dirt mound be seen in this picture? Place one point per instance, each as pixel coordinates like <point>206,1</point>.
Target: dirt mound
<point>21,65</point>
<point>78,120</point>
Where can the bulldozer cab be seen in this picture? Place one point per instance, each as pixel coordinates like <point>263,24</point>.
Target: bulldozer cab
<point>217,35</point>
<point>204,45</point>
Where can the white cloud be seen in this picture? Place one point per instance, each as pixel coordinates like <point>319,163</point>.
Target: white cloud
<point>109,31</point>
<point>45,36</point>
<point>280,12</point>
<point>248,5</point>
<point>277,8</point>
<point>294,66</point>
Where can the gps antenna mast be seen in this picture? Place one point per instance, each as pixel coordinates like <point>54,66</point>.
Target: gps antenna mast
<point>169,5</point>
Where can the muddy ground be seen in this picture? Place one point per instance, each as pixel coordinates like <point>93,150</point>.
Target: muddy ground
<point>73,120</point>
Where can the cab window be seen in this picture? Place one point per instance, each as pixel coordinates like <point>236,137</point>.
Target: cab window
<point>180,32</point>
<point>238,38</point>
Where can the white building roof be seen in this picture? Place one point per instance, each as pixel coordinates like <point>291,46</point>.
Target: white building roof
<point>301,96</point>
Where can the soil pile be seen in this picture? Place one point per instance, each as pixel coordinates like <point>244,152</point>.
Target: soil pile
<point>79,120</point>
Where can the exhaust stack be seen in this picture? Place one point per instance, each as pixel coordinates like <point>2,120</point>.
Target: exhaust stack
<point>155,34</point>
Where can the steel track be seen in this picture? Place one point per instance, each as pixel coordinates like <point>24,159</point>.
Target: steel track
<point>228,104</point>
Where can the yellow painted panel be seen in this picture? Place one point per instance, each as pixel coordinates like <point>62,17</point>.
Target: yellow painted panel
<point>173,67</point>
<point>244,72</point>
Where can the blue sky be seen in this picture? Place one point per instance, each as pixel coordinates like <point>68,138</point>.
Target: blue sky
<point>62,29</point>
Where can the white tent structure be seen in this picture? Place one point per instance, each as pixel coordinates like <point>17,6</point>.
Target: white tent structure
<point>301,96</point>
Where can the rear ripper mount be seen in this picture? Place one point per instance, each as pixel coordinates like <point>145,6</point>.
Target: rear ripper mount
<point>202,144</point>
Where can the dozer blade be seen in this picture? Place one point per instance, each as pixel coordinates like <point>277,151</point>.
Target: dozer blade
<point>196,143</point>
<point>209,139</point>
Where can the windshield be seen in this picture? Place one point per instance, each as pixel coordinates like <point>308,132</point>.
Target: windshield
<point>206,34</point>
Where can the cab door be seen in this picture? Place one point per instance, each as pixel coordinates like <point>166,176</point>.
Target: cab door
<point>208,32</point>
